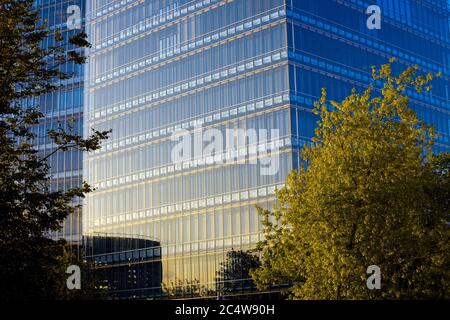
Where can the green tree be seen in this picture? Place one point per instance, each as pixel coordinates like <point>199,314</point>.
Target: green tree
<point>32,266</point>
<point>370,193</point>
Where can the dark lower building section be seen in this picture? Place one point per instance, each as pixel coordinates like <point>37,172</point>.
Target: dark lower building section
<point>132,268</point>
<point>128,268</point>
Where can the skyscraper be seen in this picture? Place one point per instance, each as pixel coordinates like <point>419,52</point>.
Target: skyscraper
<point>210,102</point>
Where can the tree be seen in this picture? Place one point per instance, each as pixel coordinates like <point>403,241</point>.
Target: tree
<point>180,289</point>
<point>370,193</point>
<point>32,265</point>
<point>233,277</point>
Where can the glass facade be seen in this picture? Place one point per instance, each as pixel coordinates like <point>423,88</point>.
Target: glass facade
<point>330,46</point>
<point>60,108</point>
<point>162,70</point>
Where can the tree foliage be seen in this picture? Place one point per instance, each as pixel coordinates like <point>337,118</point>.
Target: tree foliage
<point>180,289</point>
<point>30,263</point>
<point>370,193</point>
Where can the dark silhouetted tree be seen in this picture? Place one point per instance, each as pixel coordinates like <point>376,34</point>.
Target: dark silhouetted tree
<point>233,277</point>
<point>32,266</point>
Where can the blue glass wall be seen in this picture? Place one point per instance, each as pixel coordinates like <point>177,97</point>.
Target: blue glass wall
<point>60,108</point>
<point>330,46</point>
<point>157,67</point>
